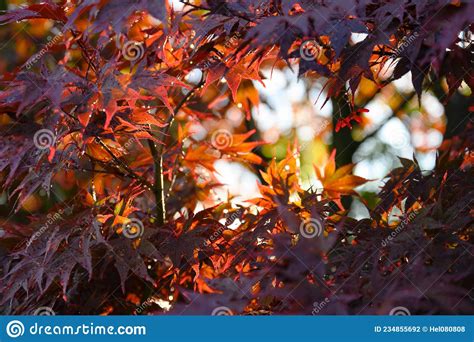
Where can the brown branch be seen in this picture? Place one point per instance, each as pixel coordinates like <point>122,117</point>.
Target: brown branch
<point>157,154</point>
<point>84,51</point>
<point>114,173</point>
<point>129,172</point>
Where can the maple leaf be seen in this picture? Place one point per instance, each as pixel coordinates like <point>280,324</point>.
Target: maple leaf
<point>235,147</point>
<point>282,180</point>
<point>346,122</point>
<point>116,14</point>
<point>337,182</point>
<point>48,10</point>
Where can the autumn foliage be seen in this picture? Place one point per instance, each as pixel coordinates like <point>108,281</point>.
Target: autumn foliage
<point>111,196</point>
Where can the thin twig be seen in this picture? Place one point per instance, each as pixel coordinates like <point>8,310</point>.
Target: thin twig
<point>120,163</point>
<point>157,154</point>
<point>129,172</point>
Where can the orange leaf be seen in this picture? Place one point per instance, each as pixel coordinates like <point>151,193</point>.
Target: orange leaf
<point>338,182</point>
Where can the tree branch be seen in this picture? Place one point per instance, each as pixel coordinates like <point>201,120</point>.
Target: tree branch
<point>157,154</point>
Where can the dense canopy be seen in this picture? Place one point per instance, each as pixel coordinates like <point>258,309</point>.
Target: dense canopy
<point>113,115</point>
